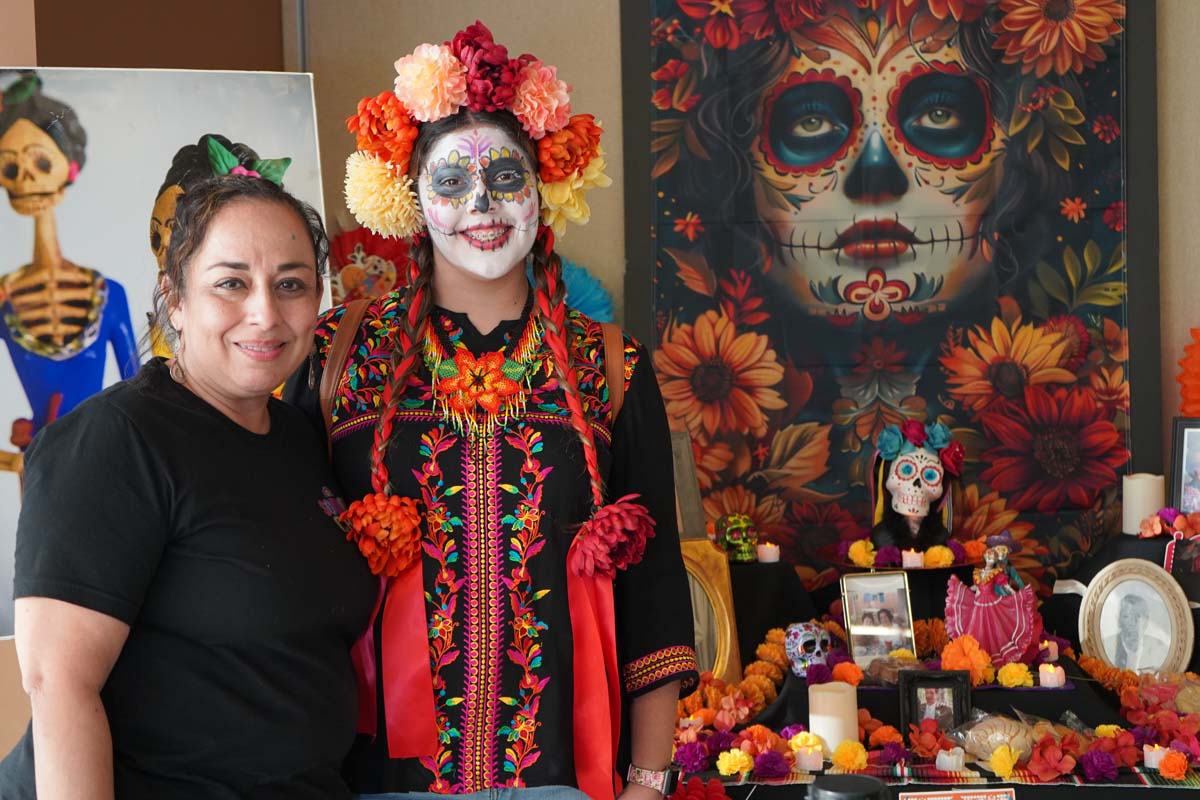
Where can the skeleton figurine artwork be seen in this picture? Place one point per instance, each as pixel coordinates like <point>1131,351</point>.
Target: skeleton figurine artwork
<point>57,318</point>
<point>913,467</point>
<point>806,644</point>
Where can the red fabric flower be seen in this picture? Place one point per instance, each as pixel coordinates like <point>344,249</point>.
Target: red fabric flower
<point>1048,760</point>
<point>926,740</point>
<point>567,152</point>
<point>913,431</point>
<point>697,789</point>
<point>491,74</point>
<point>387,530</point>
<point>614,538</point>
<point>952,456</point>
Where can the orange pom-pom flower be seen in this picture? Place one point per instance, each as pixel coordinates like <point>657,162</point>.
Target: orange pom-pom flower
<point>1174,766</point>
<point>848,672</point>
<point>964,653</point>
<point>387,530</point>
<point>384,127</point>
<point>567,152</point>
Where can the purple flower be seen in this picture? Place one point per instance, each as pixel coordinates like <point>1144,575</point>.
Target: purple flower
<point>1098,766</point>
<point>718,742</point>
<point>819,673</point>
<point>771,764</point>
<point>1168,515</point>
<point>887,557</point>
<point>1144,735</point>
<point>1181,746</point>
<point>894,753</point>
<point>960,553</point>
<point>933,664</point>
<point>844,550</point>
<point>791,730</point>
<point>693,757</point>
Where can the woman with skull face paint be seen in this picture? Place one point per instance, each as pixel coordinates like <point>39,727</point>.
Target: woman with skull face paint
<point>57,318</point>
<point>512,456</point>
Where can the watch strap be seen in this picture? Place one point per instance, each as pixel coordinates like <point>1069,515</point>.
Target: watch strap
<point>659,780</point>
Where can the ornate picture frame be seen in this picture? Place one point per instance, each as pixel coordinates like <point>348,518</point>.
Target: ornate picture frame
<point>712,609</point>
<point>941,695</point>
<point>866,599</point>
<point>1184,493</point>
<point>1136,616</point>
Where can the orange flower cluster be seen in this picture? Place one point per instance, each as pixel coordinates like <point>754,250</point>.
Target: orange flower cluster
<point>716,703</point>
<point>885,735</point>
<point>759,739</point>
<point>384,127</point>
<point>387,530</point>
<point>931,636</point>
<point>965,653</point>
<point>566,153</point>
<point>1174,766</point>
<point>867,725</point>
<point>1111,678</point>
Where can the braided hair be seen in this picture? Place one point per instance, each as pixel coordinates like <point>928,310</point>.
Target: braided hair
<point>549,306</point>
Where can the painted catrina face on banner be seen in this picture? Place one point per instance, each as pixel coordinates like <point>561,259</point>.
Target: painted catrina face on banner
<point>872,175</point>
<point>33,170</point>
<point>479,198</point>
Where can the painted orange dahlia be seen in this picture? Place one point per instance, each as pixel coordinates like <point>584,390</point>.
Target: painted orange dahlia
<point>767,512</point>
<point>715,379</point>
<point>998,364</point>
<point>1059,35</point>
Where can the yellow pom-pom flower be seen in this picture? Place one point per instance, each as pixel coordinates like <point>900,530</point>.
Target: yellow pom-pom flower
<point>903,654</point>
<point>850,756</point>
<point>939,556</point>
<point>1014,675</point>
<point>1109,731</point>
<point>805,739</point>
<point>379,198</point>
<point>734,762</point>
<point>862,553</point>
<point>563,201</point>
<point>1004,760</point>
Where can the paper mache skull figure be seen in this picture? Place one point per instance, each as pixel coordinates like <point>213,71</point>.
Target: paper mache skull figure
<point>806,644</point>
<point>914,465</point>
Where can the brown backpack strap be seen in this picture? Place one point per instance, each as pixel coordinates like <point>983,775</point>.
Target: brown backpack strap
<point>614,367</point>
<point>335,362</point>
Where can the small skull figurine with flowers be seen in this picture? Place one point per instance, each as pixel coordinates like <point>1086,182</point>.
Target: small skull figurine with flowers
<point>736,534</point>
<point>914,465</point>
<point>806,644</point>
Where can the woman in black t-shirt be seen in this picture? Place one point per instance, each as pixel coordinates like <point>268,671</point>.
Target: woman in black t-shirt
<point>185,606</point>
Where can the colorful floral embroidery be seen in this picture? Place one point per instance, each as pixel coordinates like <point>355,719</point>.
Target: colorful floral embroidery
<point>659,665</point>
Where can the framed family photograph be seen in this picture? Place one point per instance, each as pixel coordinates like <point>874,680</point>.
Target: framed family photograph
<point>941,695</point>
<point>1184,493</point>
<point>878,615</point>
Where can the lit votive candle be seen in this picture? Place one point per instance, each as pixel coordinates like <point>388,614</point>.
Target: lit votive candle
<point>768,553</point>
<point>1051,677</point>
<point>912,559</point>
<point>1050,650</point>
<point>950,760</point>
<point>809,759</point>
<point>1153,756</point>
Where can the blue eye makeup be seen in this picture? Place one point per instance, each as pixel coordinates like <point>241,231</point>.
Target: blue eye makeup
<point>505,175</point>
<point>807,124</point>
<point>945,117</point>
<point>451,181</point>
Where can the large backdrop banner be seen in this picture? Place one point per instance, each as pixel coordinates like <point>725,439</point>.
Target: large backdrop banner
<point>92,162</point>
<point>872,211</point>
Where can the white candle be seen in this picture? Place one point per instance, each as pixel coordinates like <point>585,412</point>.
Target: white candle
<point>912,559</point>
<point>1153,756</point>
<point>768,553</point>
<point>1051,650</point>
<point>809,759</point>
<point>1141,495</point>
<point>833,713</point>
<point>950,760</point>
<point>1051,677</point>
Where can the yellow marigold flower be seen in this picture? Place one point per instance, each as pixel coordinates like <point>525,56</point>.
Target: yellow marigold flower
<point>1108,731</point>
<point>903,654</point>
<point>862,553</point>
<point>1014,675</point>
<point>939,556</point>
<point>1004,760</point>
<point>805,739</point>
<point>379,198</point>
<point>734,762</point>
<point>850,756</point>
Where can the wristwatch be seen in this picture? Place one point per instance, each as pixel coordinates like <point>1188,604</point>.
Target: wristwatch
<point>660,780</point>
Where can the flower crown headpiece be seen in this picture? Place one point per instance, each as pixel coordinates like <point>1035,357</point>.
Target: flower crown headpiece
<point>471,71</point>
<point>895,441</point>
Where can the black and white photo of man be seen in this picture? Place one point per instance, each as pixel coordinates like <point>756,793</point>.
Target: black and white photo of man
<point>1134,646</point>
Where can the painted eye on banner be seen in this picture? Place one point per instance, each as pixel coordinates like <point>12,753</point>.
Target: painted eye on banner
<point>945,118</point>
<point>808,122</point>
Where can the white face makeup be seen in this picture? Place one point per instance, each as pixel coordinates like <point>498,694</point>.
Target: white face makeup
<point>480,201</point>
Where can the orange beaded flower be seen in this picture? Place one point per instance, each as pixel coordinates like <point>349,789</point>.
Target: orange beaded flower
<point>479,382</point>
<point>387,530</point>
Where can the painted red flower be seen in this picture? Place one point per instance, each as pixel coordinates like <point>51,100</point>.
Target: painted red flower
<point>1114,216</point>
<point>672,94</point>
<point>721,28</point>
<point>1073,208</point>
<point>1058,451</point>
<point>1106,128</point>
<point>901,12</point>
<point>763,19</point>
<point>689,225</point>
<point>810,528</point>
<point>876,294</point>
<point>1076,337</point>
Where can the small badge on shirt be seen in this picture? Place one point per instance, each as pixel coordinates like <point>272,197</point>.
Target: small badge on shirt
<point>333,506</point>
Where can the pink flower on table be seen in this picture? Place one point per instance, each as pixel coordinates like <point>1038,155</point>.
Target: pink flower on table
<point>542,103</point>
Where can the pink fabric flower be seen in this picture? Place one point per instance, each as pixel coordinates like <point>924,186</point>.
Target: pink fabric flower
<point>431,82</point>
<point>542,103</point>
<point>240,170</point>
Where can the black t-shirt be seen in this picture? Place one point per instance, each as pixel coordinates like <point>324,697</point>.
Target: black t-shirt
<point>243,598</point>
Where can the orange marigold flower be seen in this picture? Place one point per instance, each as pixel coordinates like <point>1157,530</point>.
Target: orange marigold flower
<point>764,685</point>
<point>930,635</point>
<point>566,152</point>
<point>1174,766</point>
<point>848,672</point>
<point>885,735</point>
<point>766,670</point>
<point>1059,35</point>
<point>975,548</point>
<point>384,127</point>
<point>387,530</point>
<point>772,654</point>
<point>1073,208</point>
<point>965,653</point>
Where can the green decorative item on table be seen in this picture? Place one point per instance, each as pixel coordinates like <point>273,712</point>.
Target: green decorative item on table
<point>735,533</point>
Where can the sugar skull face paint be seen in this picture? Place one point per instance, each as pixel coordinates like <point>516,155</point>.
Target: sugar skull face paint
<point>480,202</point>
<point>873,173</point>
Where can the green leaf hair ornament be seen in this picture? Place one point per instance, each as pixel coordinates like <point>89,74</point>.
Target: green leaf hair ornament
<point>224,162</point>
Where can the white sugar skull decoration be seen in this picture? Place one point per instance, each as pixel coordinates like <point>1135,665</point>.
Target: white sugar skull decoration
<point>806,644</point>
<point>915,482</point>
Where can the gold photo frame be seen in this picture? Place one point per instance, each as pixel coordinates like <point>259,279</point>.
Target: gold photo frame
<point>866,598</point>
<point>712,609</point>
<point>1135,616</point>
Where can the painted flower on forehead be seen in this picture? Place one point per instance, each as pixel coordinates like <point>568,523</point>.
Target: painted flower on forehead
<point>542,103</point>
<point>491,74</point>
<point>431,82</point>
